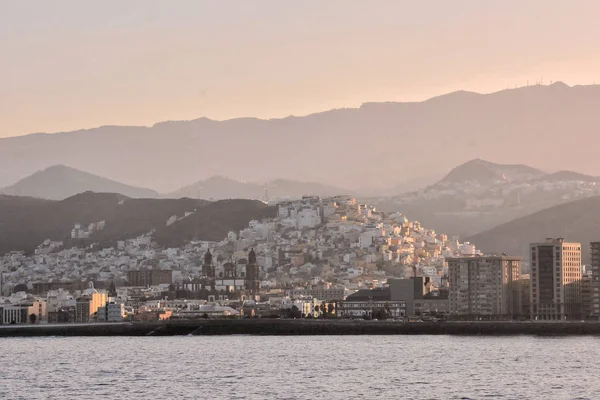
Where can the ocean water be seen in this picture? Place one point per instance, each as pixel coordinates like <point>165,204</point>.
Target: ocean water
<point>300,367</point>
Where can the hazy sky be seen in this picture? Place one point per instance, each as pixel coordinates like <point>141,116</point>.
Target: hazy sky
<point>76,64</point>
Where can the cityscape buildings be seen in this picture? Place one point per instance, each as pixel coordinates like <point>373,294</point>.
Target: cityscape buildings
<point>318,258</point>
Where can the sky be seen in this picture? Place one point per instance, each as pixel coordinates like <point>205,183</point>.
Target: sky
<point>72,64</point>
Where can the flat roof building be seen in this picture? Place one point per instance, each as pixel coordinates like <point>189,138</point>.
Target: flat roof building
<point>408,290</point>
<point>368,302</point>
<point>556,275</point>
<point>485,287</point>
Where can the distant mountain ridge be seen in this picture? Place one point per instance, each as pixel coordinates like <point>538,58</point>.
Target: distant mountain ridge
<point>375,147</point>
<point>485,172</point>
<point>219,187</point>
<point>60,182</point>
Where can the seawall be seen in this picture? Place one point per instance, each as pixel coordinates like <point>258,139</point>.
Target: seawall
<point>303,327</point>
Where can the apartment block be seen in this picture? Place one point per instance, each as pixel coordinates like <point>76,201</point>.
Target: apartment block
<point>485,287</point>
<point>556,275</point>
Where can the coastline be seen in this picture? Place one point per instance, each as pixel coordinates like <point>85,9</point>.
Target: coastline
<point>303,327</point>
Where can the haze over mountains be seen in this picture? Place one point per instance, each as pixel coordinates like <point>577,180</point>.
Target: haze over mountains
<point>380,148</point>
<point>373,148</point>
<point>471,198</point>
<point>219,187</point>
<point>485,173</point>
<point>60,182</point>
<point>479,195</point>
<point>497,205</point>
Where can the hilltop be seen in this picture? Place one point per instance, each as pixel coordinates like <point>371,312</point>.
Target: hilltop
<point>375,147</point>
<point>60,182</point>
<point>485,173</point>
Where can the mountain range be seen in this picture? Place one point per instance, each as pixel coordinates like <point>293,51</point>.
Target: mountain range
<point>473,197</point>
<point>506,207</point>
<point>368,149</point>
<point>219,187</point>
<point>60,182</point>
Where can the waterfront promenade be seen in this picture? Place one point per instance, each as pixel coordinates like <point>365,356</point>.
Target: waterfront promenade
<point>302,327</point>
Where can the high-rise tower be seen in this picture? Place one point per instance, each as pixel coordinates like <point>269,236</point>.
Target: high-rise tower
<point>485,287</point>
<point>555,280</point>
<point>252,274</point>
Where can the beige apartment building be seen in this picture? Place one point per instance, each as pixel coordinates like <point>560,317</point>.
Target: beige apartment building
<point>88,304</point>
<point>556,280</point>
<point>485,287</point>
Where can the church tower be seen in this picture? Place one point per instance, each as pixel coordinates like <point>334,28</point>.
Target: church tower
<point>252,272</point>
<point>112,290</point>
<point>208,271</point>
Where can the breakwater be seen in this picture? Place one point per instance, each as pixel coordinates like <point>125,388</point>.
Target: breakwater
<point>303,327</point>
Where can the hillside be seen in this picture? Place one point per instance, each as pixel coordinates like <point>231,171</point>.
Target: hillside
<point>374,147</point>
<point>26,222</point>
<point>60,182</point>
<point>562,176</point>
<point>214,221</point>
<point>219,187</point>
<point>577,221</point>
<point>479,195</point>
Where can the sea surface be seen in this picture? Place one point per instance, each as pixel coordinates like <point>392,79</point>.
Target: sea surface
<point>300,367</point>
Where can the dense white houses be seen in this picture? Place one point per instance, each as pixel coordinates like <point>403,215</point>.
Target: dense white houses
<point>323,248</point>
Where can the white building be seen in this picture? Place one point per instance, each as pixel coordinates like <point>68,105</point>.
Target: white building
<point>366,238</point>
<point>328,210</point>
<point>467,249</point>
<point>308,218</point>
